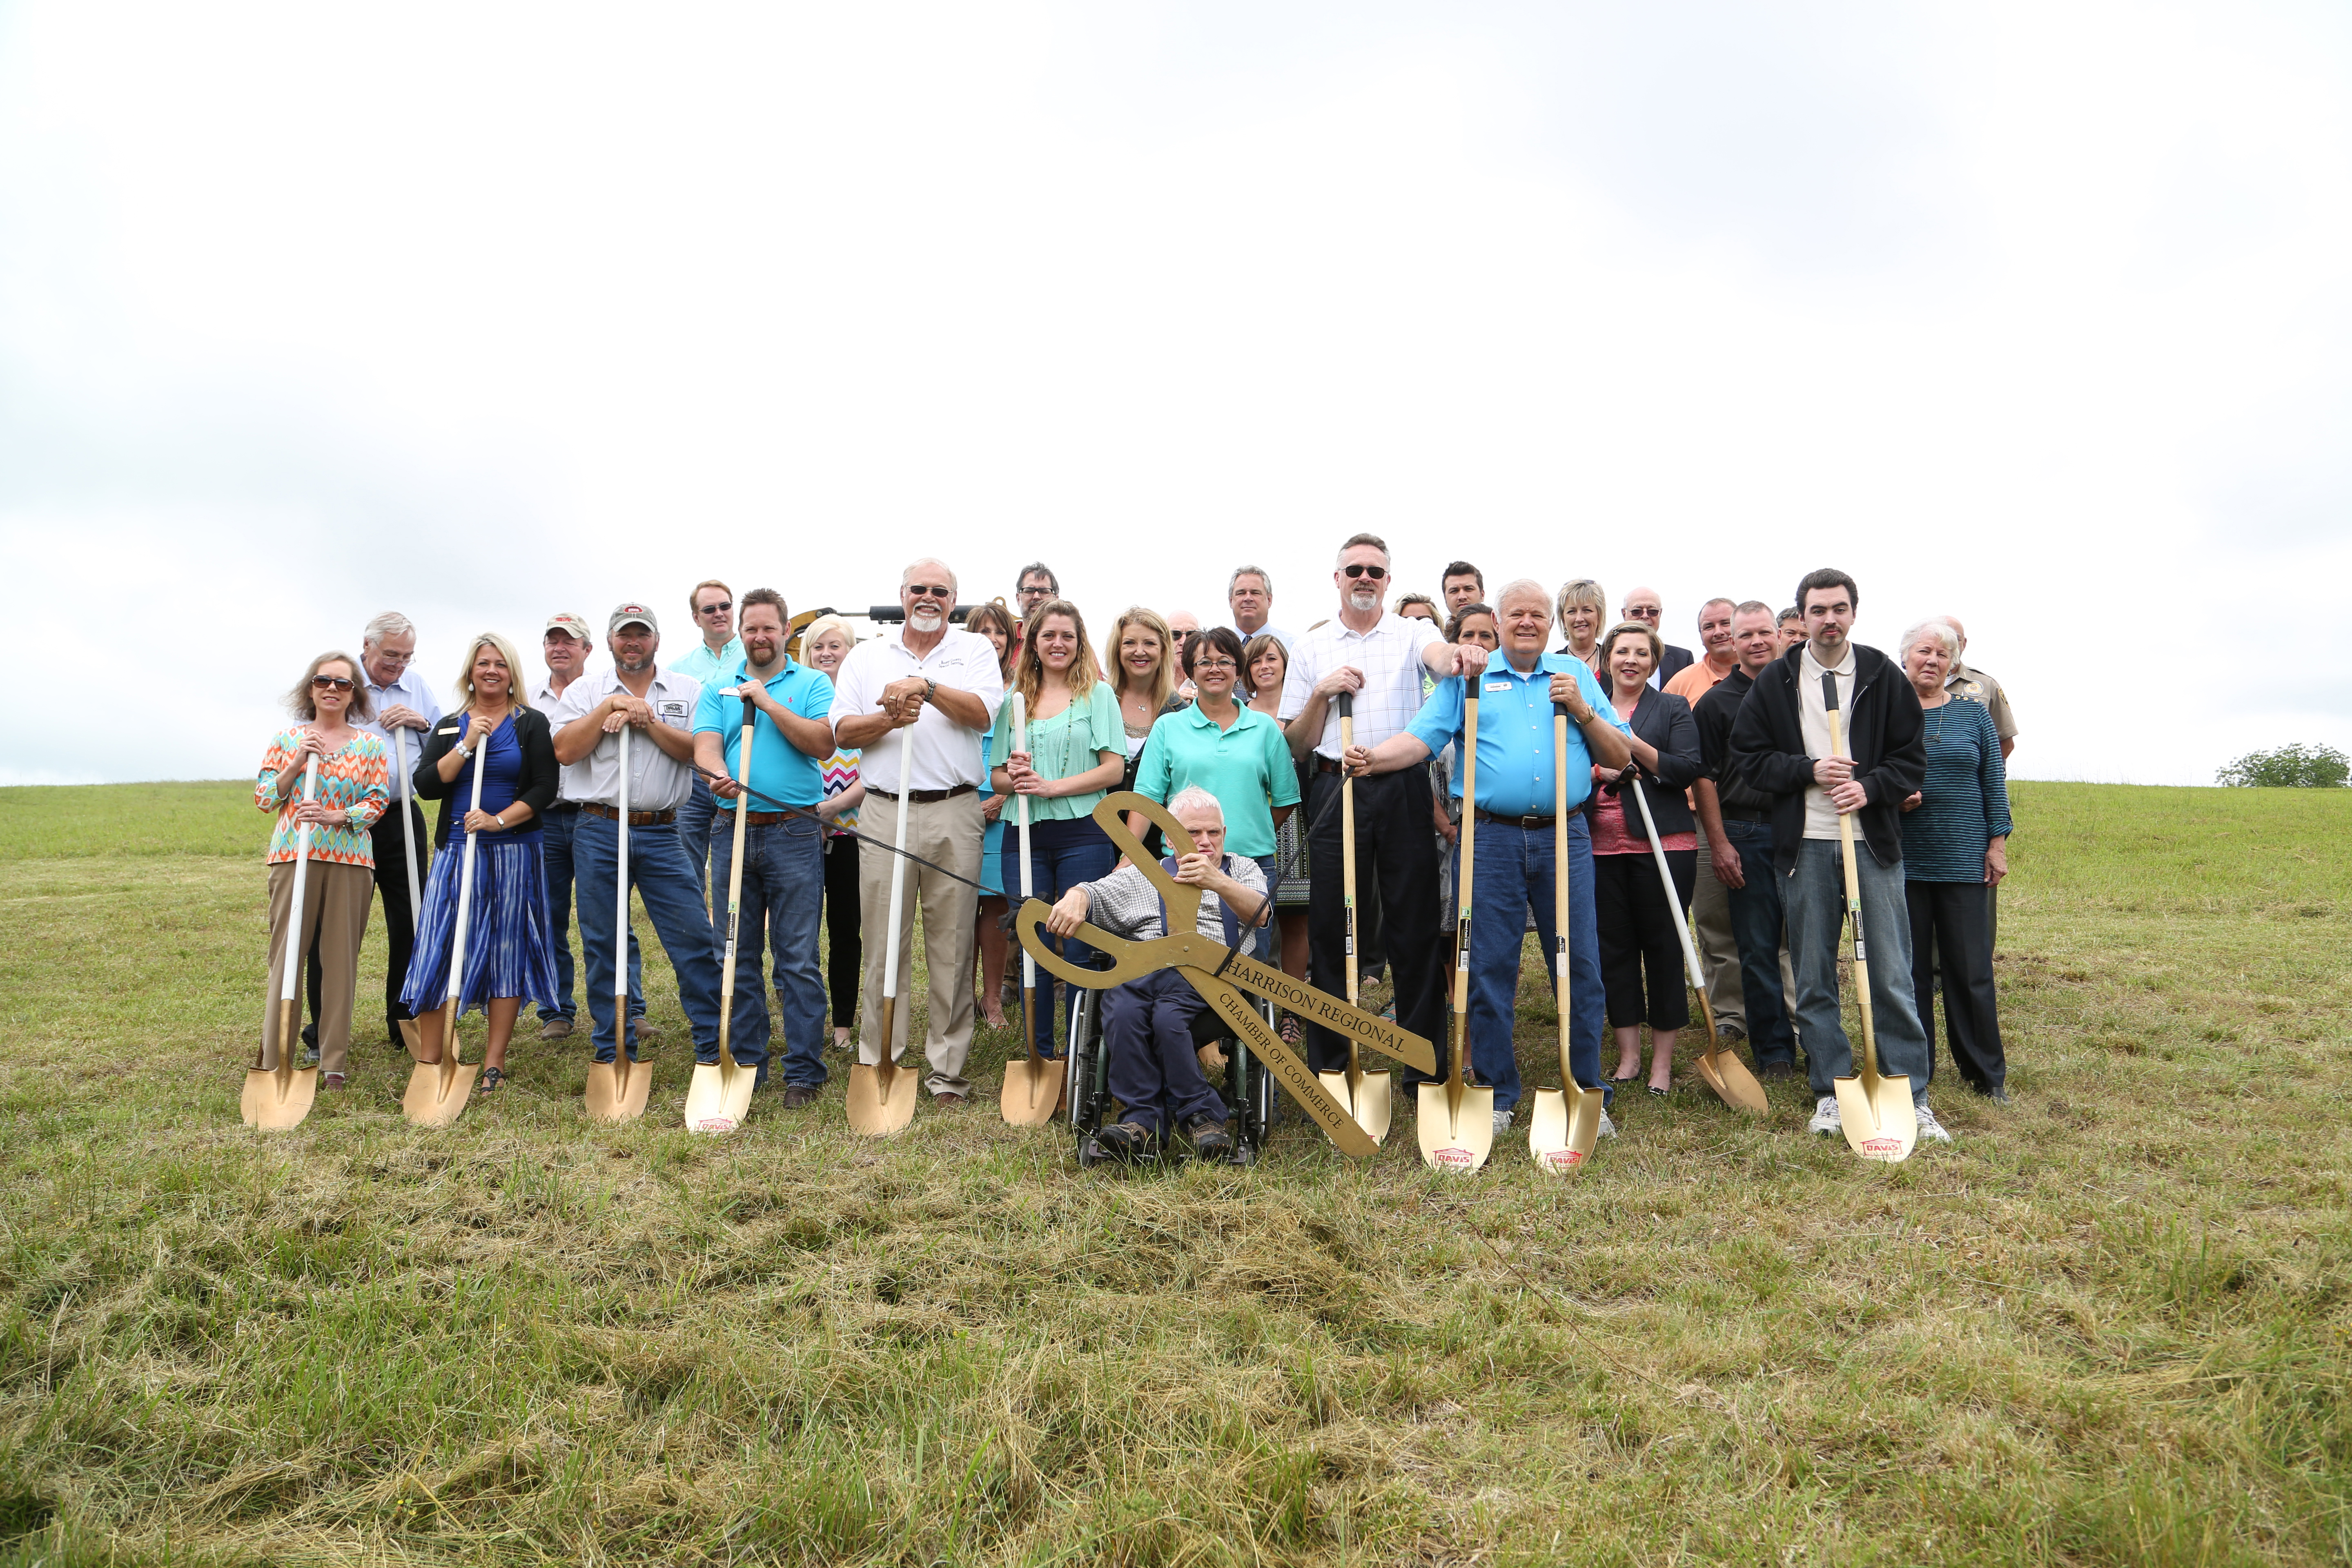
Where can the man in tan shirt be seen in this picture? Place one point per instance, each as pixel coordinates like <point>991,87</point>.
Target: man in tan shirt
<point>1718,952</point>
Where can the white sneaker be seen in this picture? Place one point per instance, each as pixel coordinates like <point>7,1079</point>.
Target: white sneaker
<point>1608,1128</point>
<point>1826,1119</point>
<point>1502,1122</point>
<point>1929,1128</point>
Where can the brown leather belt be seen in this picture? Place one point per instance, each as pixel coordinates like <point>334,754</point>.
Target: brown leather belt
<point>636,818</point>
<point>1527,822</point>
<point>764,819</point>
<point>921,797</point>
<point>1324,764</point>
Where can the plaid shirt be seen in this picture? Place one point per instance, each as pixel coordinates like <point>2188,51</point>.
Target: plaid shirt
<point>1390,657</point>
<point>1125,904</point>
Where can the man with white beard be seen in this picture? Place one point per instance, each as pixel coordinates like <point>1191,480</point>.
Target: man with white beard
<point>1377,658</point>
<point>915,704</point>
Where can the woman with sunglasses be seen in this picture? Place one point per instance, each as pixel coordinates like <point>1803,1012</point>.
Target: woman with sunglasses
<point>509,954</point>
<point>353,790</point>
<point>1074,753</point>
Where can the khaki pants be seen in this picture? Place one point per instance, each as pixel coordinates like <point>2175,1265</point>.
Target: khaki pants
<point>948,833</point>
<point>334,917</point>
<point>1718,955</point>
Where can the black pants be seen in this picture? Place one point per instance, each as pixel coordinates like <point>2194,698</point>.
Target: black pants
<point>1396,854</point>
<point>845,960</point>
<point>399,918</point>
<point>1641,969</point>
<point>1954,921</point>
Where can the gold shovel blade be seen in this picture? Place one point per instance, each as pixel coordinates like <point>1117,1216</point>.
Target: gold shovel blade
<point>1877,1118</point>
<point>877,1108</point>
<point>410,1038</point>
<point>617,1089</point>
<point>1457,1137</point>
<point>717,1101</point>
<point>1032,1091</point>
<point>1724,1073</point>
<point>1564,1128</point>
<point>273,1100</point>
<point>437,1091</point>
<point>1376,1104</point>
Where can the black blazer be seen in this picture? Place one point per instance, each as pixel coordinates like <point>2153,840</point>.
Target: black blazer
<point>1677,660</point>
<point>1663,719</point>
<point>539,773</point>
<point>1882,730</point>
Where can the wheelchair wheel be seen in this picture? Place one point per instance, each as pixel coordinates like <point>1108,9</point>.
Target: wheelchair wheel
<point>1249,1097</point>
<point>1083,1062</point>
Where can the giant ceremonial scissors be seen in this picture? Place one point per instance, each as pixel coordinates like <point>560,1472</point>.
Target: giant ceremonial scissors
<point>1221,974</point>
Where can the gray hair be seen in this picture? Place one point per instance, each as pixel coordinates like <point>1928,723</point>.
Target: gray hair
<point>391,624</point>
<point>1731,604</point>
<point>1191,796</point>
<point>1374,540</point>
<point>1943,632</point>
<point>906,574</point>
<point>1259,573</point>
<point>1034,569</point>
<point>1526,585</point>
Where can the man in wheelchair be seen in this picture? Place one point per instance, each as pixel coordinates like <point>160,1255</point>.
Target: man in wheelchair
<point>1148,1025</point>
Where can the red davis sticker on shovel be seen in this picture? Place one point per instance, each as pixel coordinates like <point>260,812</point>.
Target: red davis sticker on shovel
<point>1562,1159</point>
<point>1455,1158</point>
<point>1882,1148</point>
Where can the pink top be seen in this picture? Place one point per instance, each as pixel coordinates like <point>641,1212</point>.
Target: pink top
<point>1610,834</point>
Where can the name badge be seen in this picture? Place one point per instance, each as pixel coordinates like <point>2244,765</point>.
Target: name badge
<point>1498,686</point>
<point>673,713</point>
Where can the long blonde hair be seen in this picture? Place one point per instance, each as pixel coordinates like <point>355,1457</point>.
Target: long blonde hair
<point>1029,667</point>
<point>464,690</point>
<point>1164,674</point>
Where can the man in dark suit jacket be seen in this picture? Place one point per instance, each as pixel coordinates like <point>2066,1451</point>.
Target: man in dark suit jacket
<point>1780,748</point>
<point>1645,605</point>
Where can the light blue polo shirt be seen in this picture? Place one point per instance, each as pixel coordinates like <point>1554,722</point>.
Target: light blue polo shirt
<point>1515,733</point>
<point>781,771</point>
<point>706,667</point>
<point>1247,768</point>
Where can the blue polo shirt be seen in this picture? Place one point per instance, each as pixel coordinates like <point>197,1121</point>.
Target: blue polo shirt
<point>781,771</point>
<point>1247,768</point>
<point>1515,733</point>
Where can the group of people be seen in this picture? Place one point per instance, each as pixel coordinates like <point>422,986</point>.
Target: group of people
<point>1718,764</point>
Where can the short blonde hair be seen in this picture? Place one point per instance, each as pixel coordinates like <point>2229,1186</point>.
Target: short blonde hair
<point>1578,591</point>
<point>819,626</point>
<point>464,690</point>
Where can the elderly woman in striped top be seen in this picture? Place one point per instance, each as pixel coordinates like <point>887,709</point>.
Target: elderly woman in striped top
<point>510,950</point>
<point>353,790</point>
<point>824,646</point>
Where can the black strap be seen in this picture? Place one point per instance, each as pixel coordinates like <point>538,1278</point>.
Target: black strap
<point>1232,921</point>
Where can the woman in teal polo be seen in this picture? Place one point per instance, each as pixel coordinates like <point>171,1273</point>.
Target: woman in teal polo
<point>1075,751</point>
<point>1236,754</point>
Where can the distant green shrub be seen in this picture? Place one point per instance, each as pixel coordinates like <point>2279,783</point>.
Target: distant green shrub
<point>2289,767</point>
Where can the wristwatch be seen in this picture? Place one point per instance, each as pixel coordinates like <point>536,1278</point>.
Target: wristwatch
<point>931,689</point>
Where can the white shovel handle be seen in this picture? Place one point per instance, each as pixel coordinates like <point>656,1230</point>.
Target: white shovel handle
<point>407,847</point>
<point>481,764</point>
<point>1666,880</point>
<point>621,880</point>
<point>1020,743</point>
<point>897,887</point>
<point>301,870</point>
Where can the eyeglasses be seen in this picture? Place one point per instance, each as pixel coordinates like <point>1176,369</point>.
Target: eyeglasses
<point>1643,612</point>
<point>330,683</point>
<point>927,591</point>
<point>400,659</point>
<point>1375,573</point>
<point>1200,664</point>
<point>720,608</point>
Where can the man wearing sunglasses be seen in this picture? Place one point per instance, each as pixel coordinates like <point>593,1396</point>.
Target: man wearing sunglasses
<point>1377,658</point>
<point>716,654</point>
<point>916,702</point>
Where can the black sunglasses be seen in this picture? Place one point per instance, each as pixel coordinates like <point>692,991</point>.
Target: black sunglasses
<point>720,608</point>
<point>330,683</point>
<point>1373,572</point>
<point>925,591</point>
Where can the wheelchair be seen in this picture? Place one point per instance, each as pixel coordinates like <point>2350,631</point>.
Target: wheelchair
<point>1249,1087</point>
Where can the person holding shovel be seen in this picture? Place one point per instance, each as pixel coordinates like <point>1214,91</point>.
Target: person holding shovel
<point>353,794</point>
<point>656,705</point>
<point>1780,745</point>
<point>510,950</point>
<point>784,843</point>
<point>1517,828</point>
<point>566,648</point>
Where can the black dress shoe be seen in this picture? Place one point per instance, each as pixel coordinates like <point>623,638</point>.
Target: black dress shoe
<point>798,1095</point>
<point>1776,1070</point>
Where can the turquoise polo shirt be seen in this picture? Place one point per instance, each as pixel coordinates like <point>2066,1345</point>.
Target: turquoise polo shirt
<point>1515,733</point>
<point>1247,768</point>
<point>781,771</point>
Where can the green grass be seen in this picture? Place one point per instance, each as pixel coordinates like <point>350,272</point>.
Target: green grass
<point>2112,1324</point>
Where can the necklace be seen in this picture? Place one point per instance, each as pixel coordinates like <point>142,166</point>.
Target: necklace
<point>1936,736</point>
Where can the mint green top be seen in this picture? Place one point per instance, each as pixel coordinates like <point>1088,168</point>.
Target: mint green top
<point>1071,743</point>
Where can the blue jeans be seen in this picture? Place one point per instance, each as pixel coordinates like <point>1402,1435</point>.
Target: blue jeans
<point>782,904</point>
<point>694,815</point>
<point>1756,921</point>
<point>1514,877</point>
<point>1061,856</point>
<point>1814,893</point>
<point>665,884</point>
<point>555,856</point>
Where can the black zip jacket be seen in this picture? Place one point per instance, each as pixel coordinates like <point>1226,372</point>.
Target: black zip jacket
<point>1662,719</point>
<point>1881,727</point>
<point>1714,714</point>
<point>539,773</point>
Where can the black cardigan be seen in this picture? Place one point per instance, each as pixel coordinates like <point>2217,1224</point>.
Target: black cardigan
<point>1663,719</point>
<point>1881,726</point>
<point>540,772</point>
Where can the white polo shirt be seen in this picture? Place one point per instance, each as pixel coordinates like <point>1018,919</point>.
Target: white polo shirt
<point>943,752</point>
<point>544,697</point>
<point>657,782</point>
<point>1390,657</point>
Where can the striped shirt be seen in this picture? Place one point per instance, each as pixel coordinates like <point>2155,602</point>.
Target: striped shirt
<point>1390,657</point>
<point>1964,797</point>
<point>840,772</point>
<point>355,779</point>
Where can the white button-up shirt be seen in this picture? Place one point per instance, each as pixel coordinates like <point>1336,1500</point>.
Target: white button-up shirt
<point>1390,657</point>
<point>935,751</point>
<point>544,697</point>
<point>410,689</point>
<point>1286,638</point>
<point>657,782</point>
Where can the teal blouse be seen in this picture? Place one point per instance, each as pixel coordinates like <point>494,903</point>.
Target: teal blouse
<point>1069,743</point>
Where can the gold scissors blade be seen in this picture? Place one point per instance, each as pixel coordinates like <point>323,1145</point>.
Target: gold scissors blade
<point>1289,1071</point>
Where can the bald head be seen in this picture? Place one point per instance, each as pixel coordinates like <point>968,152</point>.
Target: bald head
<point>1953,622</point>
<point>1643,605</point>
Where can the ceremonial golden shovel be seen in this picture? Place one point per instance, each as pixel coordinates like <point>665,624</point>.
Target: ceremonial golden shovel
<point>1033,1086</point>
<point>617,1089</point>
<point>719,1096</point>
<point>1565,1123</point>
<point>1457,1119</point>
<point>437,1091</point>
<point>1371,1099</point>
<point>1722,1071</point>
<point>279,1097</point>
<point>1874,1111</point>
<point>881,1098</point>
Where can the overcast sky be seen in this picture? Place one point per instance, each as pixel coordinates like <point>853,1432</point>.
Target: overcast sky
<point>2035,314</point>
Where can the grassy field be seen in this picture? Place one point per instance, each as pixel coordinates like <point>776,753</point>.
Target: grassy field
<point>2112,1324</point>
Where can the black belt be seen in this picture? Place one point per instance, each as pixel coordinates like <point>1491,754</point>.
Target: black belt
<point>1742,813</point>
<point>562,808</point>
<point>636,818</point>
<point>921,797</point>
<point>1527,822</point>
